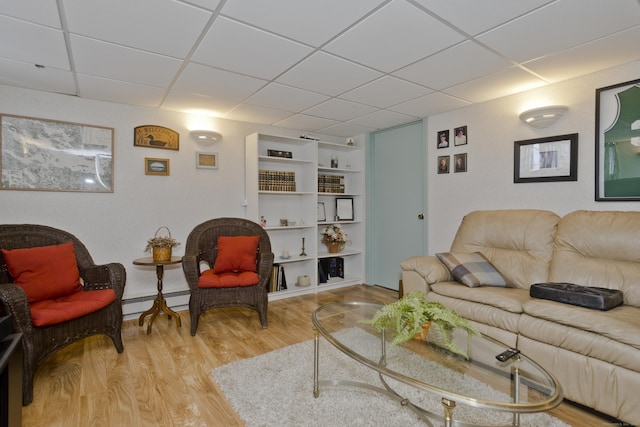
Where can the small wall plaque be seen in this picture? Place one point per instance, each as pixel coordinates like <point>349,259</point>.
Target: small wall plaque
<point>156,137</point>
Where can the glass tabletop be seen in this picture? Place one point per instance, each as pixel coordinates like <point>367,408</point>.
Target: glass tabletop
<point>516,385</point>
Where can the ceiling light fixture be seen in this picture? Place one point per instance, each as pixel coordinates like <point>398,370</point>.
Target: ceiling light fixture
<point>543,116</point>
<point>206,137</point>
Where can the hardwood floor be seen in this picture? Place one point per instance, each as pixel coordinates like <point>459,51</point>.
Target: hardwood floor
<point>163,379</point>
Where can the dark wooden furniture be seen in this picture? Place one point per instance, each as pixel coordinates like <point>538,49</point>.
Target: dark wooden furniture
<point>159,304</point>
<point>39,342</point>
<point>10,375</point>
<point>202,246</point>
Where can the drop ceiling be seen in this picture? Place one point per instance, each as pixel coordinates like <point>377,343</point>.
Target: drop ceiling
<point>333,67</point>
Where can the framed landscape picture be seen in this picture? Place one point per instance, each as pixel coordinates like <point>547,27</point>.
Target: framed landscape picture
<point>553,158</point>
<point>49,155</point>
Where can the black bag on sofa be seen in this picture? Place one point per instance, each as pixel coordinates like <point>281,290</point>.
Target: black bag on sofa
<point>583,296</point>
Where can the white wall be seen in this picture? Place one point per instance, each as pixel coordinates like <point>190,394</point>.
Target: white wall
<point>115,226</point>
<point>492,129</point>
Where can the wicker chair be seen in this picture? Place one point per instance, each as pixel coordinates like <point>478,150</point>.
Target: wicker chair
<point>40,342</point>
<point>201,246</point>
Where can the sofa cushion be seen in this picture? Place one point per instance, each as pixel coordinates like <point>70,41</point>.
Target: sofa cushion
<point>507,299</point>
<point>518,242</point>
<point>44,272</point>
<point>236,254</point>
<point>472,269</point>
<point>619,324</point>
<point>209,279</point>
<point>480,312</point>
<point>599,249</point>
<point>58,310</point>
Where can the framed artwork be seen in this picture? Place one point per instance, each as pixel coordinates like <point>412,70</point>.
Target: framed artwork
<point>344,208</point>
<point>154,136</point>
<point>153,166</point>
<point>554,158</point>
<point>49,155</point>
<point>206,160</point>
<point>460,136</point>
<point>322,214</point>
<point>460,162</point>
<point>443,164</point>
<point>443,139</point>
<point>618,142</point>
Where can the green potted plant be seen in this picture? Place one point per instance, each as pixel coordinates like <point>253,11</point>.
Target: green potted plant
<point>161,246</point>
<point>411,313</point>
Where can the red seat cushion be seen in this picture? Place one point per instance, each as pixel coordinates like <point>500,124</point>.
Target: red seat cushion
<point>58,310</point>
<point>209,279</point>
<point>44,272</point>
<point>236,254</point>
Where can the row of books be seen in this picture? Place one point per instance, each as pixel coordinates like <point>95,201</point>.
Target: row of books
<point>269,180</point>
<point>330,183</point>
<point>330,267</point>
<point>278,281</point>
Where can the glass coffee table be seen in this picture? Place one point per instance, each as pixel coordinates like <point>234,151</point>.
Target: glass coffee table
<point>481,382</point>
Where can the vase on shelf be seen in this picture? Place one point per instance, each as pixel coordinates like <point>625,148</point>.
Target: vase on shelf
<point>334,247</point>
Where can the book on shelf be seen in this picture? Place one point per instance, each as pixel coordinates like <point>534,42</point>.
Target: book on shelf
<point>269,180</point>
<point>278,281</point>
<point>330,183</point>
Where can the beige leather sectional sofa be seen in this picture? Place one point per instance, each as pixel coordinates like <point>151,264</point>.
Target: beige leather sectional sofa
<point>594,354</point>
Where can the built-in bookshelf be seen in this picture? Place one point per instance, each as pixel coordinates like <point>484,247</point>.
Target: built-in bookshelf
<point>295,187</point>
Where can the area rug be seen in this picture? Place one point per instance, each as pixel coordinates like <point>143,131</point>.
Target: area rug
<point>276,389</point>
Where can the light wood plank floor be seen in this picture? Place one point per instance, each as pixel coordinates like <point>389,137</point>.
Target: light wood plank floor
<point>163,379</point>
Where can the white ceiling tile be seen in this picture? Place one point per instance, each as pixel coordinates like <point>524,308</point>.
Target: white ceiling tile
<point>459,64</point>
<point>391,46</point>
<point>256,114</point>
<point>32,43</point>
<point>474,17</point>
<point>106,60</point>
<point>383,119</point>
<point>327,74</point>
<point>384,92</point>
<point>161,26</point>
<point>305,123</point>
<point>197,104</point>
<point>619,48</point>
<point>120,92</point>
<point>250,53</point>
<point>207,4</point>
<point>310,21</point>
<point>285,98</point>
<point>27,75</point>
<point>496,85</point>
<point>556,27</point>
<point>345,130</point>
<point>429,105</point>
<point>203,80</point>
<point>338,109</point>
<point>44,13</point>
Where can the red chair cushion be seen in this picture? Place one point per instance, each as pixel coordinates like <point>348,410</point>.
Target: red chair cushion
<point>58,310</point>
<point>209,279</point>
<point>44,272</point>
<point>236,254</point>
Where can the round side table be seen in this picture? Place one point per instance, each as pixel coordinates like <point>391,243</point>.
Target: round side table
<point>159,304</point>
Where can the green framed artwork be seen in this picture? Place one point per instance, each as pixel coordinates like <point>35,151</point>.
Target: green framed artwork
<point>618,142</point>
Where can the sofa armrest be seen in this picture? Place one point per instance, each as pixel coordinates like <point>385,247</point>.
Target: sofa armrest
<point>419,272</point>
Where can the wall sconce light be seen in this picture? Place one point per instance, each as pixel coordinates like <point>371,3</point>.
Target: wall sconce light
<point>543,116</point>
<point>206,137</point>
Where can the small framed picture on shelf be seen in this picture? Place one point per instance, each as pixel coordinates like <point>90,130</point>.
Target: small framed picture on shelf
<point>280,153</point>
<point>322,214</point>
<point>344,208</point>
